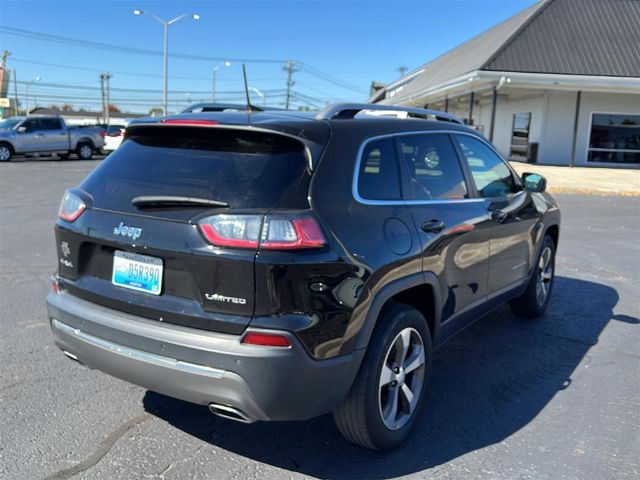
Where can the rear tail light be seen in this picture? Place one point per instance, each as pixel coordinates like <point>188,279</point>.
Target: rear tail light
<point>103,133</point>
<point>55,286</point>
<point>266,339</point>
<point>275,233</point>
<point>71,207</point>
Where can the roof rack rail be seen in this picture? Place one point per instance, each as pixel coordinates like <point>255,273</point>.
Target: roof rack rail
<point>350,110</point>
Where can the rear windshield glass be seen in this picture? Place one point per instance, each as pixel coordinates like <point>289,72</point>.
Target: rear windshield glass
<point>244,169</point>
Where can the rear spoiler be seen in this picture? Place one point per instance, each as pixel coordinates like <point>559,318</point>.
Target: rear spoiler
<point>312,149</point>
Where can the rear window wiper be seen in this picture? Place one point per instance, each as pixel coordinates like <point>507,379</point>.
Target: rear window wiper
<point>160,201</point>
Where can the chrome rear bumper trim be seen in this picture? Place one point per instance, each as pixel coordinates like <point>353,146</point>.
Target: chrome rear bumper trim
<point>146,357</point>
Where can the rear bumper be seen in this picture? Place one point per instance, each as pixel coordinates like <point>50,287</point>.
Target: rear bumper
<point>265,383</point>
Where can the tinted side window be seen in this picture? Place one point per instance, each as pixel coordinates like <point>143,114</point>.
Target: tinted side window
<point>490,174</point>
<point>434,168</point>
<point>32,125</point>
<point>378,178</point>
<point>50,124</point>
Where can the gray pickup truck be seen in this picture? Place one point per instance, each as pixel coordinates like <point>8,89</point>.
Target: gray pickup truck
<point>47,135</point>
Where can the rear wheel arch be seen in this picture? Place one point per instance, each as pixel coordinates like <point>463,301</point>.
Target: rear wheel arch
<point>85,140</point>
<point>554,232</point>
<point>420,290</point>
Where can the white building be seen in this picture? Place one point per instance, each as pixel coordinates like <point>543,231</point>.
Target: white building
<point>558,83</point>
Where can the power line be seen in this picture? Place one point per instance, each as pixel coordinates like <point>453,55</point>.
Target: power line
<point>45,37</point>
<point>142,51</point>
<point>330,78</point>
<point>140,74</point>
<point>135,90</point>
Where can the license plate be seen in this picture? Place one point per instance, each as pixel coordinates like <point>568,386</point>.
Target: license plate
<point>137,272</point>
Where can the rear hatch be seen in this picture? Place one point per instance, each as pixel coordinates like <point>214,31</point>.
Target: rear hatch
<point>138,246</point>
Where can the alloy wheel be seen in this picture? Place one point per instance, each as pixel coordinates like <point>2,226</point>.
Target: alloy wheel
<point>85,151</point>
<point>401,379</point>
<point>545,276</point>
<point>5,153</point>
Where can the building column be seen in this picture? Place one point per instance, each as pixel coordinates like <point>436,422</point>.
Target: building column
<point>470,122</point>
<point>446,105</point>
<point>575,129</point>
<point>494,101</point>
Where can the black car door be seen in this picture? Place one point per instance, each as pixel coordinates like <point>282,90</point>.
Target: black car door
<point>514,217</point>
<point>453,227</point>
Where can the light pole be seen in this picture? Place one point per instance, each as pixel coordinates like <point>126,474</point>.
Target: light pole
<point>166,24</point>
<point>213,78</point>
<point>37,79</point>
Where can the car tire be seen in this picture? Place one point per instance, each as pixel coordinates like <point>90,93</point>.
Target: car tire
<point>535,299</point>
<point>367,416</point>
<point>6,152</point>
<point>84,151</point>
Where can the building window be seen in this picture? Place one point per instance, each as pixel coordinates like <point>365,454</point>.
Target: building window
<point>615,138</point>
<point>520,136</point>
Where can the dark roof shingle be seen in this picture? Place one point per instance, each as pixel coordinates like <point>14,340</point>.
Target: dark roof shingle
<point>575,37</point>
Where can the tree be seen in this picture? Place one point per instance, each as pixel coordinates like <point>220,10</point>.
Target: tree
<point>66,107</point>
<point>113,108</point>
<point>155,111</point>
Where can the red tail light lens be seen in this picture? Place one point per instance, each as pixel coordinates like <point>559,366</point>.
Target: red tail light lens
<point>103,133</point>
<point>275,233</point>
<point>71,207</point>
<point>297,233</point>
<point>241,231</point>
<point>266,339</point>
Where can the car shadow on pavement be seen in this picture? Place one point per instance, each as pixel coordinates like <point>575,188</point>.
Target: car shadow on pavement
<point>489,381</point>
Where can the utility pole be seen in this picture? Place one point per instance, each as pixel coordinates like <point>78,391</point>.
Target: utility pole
<point>290,68</point>
<point>15,91</point>
<point>104,108</point>
<point>108,113</point>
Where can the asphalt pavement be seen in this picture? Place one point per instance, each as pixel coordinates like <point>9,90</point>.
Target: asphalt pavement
<point>554,398</point>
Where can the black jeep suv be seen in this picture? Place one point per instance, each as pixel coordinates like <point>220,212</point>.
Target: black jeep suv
<point>279,266</point>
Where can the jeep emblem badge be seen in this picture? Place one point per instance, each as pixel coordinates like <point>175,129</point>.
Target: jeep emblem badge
<point>125,231</point>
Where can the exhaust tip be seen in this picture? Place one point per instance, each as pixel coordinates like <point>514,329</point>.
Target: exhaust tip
<point>230,413</point>
<point>71,356</point>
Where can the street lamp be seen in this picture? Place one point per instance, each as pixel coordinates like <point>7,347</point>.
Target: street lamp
<point>37,79</point>
<point>166,24</point>
<point>213,78</point>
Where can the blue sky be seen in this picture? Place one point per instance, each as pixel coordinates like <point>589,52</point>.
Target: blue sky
<point>352,42</point>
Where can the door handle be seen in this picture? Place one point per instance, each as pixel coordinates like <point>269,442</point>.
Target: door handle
<point>432,226</point>
<point>39,135</point>
<point>62,133</point>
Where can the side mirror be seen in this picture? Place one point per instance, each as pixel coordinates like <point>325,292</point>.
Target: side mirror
<point>534,182</point>
<point>21,129</point>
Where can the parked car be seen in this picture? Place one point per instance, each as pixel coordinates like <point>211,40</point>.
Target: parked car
<point>113,136</point>
<point>42,134</point>
<point>291,265</point>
